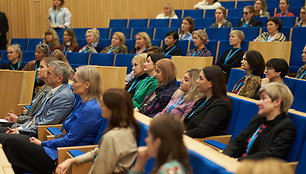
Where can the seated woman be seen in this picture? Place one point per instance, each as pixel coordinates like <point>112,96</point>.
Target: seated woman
<point>165,143</point>
<point>302,22</point>
<point>187,28</point>
<point>167,13</point>
<point>142,43</point>
<point>274,26</point>
<point>254,65</point>
<point>232,58</point>
<point>81,128</point>
<point>42,50</point>
<point>209,115</point>
<point>207,4</point>
<point>200,38</point>
<point>117,45</point>
<point>59,16</point>
<point>183,99</point>
<point>70,43</point>
<point>301,74</point>
<point>92,39</point>
<point>220,15</point>
<point>248,18</point>
<point>158,99</point>
<point>118,147</point>
<point>260,7</point>
<point>284,7</point>
<point>171,47</point>
<point>14,55</point>
<point>50,38</point>
<point>270,133</point>
<point>61,57</point>
<point>148,84</point>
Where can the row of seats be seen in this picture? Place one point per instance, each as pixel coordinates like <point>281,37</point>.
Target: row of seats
<point>270,3</point>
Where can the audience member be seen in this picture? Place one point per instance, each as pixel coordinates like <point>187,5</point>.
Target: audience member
<point>274,26</point>
<point>117,149</point>
<point>142,43</point>
<point>209,115</point>
<point>14,55</point>
<point>42,50</point>
<point>232,58</point>
<point>183,99</point>
<point>61,57</point>
<point>117,44</point>
<point>302,22</point>
<point>4,27</point>
<point>254,65</point>
<point>158,99</point>
<point>207,4</point>
<point>270,133</point>
<point>171,47</point>
<point>92,39</point>
<point>276,70</point>
<point>260,7</point>
<point>59,16</point>
<point>220,15</point>
<point>167,13</point>
<point>70,43</point>
<point>284,7</point>
<point>80,127</point>
<point>165,143</point>
<point>200,38</point>
<point>248,18</point>
<point>301,74</point>
<point>50,38</point>
<point>187,28</point>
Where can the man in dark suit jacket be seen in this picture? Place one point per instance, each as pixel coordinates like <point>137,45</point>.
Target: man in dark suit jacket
<point>3,29</point>
<point>248,16</point>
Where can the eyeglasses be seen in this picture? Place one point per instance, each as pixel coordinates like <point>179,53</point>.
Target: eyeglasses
<point>245,13</point>
<point>43,45</point>
<point>302,13</point>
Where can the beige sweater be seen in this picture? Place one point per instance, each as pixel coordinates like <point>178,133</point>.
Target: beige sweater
<point>116,152</point>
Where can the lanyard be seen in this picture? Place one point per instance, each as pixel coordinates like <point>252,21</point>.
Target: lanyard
<point>254,136</point>
<point>198,52</point>
<point>229,55</point>
<point>85,50</point>
<point>14,68</point>
<point>197,108</point>
<point>245,24</point>
<point>36,79</point>
<point>133,85</point>
<point>65,51</point>
<point>272,38</point>
<point>177,103</point>
<point>304,73</point>
<point>280,15</point>
<point>169,51</point>
<point>239,85</point>
<point>55,15</point>
<point>137,52</point>
<point>143,85</point>
<point>111,50</point>
<point>78,106</point>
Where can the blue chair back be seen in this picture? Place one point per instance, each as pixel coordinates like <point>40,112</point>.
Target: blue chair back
<point>235,12</point>
<point>117,23</point>
<point>101,131</point>
<point>235,113</point>
<point>201,23</point>
<point>228,4</point>
<point>250,33</point>
<point>288,21</point>
<point>210,13</point>
<point>235,76</point>
<point>212,46</point>
<point>138,23</point>
<point>77,59</point>
<point>104,43</point>
<point>101,59</point>
<point>183,45</point>
<point>82,42</point>
<point>130,43</point>
<point>298,43</point>
<point>291,83</point>
<point>223,33</point>
<point>263,21</point>
<point>104,33</point>
<point>33,42</point>
<point>60,32</point>
<point>23,42</point>
<point>80,32</point>
<point>124,60</point>
<point>234,20</point>
<point>242,4</point>
<point>149,31</point>
<point>156,42</point>
<point>223,46</point>
<point>178,13</point>
<point>273,4</point>
<point>194,13</point>
<point>4,59</point>
<point>176,23</point>
<point>160,33</point>
<point>159,23</point>
<point>300,96</point>
<point>301,167</point>
<point>125,31</point>
<point>28,56</point>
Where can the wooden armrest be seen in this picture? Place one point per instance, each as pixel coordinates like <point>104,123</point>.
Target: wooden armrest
<point>41,131</point>
<point>224,139</point>
<point>292,165</point>
<point>62,151</point>
<point>49,137</point>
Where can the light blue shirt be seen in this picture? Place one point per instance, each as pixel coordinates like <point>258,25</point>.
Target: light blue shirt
<point>188,36</point>
<point>62,17</point>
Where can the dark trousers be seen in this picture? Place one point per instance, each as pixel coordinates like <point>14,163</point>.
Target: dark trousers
<point>26,156</point>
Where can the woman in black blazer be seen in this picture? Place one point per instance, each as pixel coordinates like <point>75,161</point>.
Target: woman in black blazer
<point>210,115</point>
<point>270,133</point>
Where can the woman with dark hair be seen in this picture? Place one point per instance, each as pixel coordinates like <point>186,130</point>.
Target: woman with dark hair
<point>254,66</point>
<point>158,99</point>
<point>260,7</point>
<point>165,143</point>
<point>220,15</point>
<point>118,147</point>
<point>271,132</point>
<point>301,73</point>
<point>171,47</point>
<point>207,4</point>
<point>200,38</point>
<point>187,28</point>
<point>284,7</point>
<point>70,43</point>
<point>210,115</point>
<point>274,26</point>
<point>14,55</point>
<point>59,16</point>
<point>302,22</point>
<point>248,18</point>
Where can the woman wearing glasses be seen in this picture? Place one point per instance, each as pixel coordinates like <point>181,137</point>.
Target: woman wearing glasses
<point>248,18</point>
<point>301,74</point>
<point>302,23</point>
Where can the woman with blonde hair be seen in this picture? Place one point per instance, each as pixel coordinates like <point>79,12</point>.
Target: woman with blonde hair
<point>14,55</point>
<point>260,7</point>
<point>50,38</point>
<point>70,43</point>
<point>158,99</point>
<point>200,38</point>
<point>142,43</point>
<point>117,44</point>
<point>183,99</point>
<point>42,50</point>
<point>167,13</point>
<point>92,39</point>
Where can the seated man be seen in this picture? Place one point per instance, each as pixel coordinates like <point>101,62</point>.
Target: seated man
<point>54,108</point>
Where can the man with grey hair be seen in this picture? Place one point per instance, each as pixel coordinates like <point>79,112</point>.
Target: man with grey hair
<point>56,106</point>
